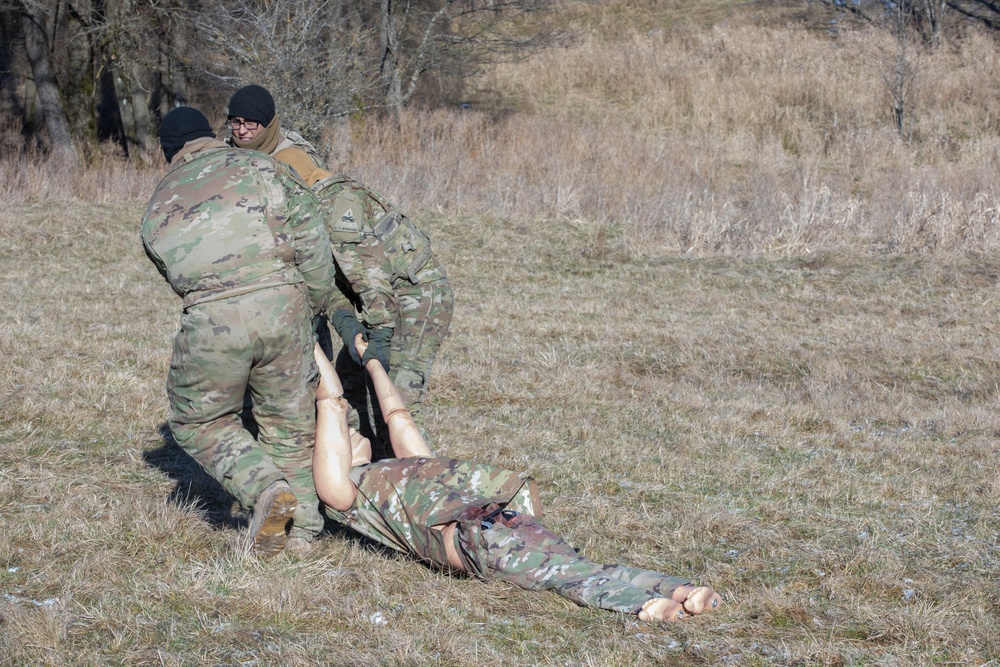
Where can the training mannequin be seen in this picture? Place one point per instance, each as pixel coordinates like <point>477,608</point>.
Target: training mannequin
<point>467,516</point>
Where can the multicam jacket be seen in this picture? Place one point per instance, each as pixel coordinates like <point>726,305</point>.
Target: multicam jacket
<point>375,245</point>
<point>400,499</point>
<point>224,222</point>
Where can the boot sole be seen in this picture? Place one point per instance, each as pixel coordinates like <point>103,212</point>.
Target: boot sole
<point>270,538</point>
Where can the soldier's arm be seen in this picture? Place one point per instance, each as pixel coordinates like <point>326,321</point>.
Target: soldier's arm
<point>360,256</point>
<point>370,280</point>
<point>339,301</point>
<point>312,244</point>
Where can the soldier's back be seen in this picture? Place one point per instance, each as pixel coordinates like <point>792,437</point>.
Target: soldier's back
<point>215,223</point>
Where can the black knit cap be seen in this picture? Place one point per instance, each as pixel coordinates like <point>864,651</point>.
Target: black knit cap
<point>180,126</point>
<point>252,102</point>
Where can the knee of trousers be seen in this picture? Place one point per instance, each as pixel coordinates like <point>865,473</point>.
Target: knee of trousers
<point>498,553</point>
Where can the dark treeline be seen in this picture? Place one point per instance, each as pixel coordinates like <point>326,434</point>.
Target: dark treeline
<point>82,77</point>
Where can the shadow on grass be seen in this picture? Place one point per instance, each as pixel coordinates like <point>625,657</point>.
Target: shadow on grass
<point>193,486</point>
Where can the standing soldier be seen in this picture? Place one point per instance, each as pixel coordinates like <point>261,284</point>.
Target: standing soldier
<point>240,239</point>
<point>385,270</point>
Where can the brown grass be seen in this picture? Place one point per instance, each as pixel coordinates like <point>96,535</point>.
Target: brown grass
<point>814,437</point>
<point>812,433</point>
<point>737,138</point>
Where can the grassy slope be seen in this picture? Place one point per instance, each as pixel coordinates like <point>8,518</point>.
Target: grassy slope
<point>813,437</point>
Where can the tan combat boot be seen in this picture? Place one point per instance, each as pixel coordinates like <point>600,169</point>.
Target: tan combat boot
<point>271,513</point>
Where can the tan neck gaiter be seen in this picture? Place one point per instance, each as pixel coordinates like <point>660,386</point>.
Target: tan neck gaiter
<point>266,141</point>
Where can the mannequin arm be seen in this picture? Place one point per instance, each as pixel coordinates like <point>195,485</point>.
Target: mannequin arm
<point>403,432</point>
<point>332,456</point>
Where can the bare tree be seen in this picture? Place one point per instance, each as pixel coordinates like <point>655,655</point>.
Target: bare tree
<point>924,16</point>
<point>392,89</point>
<point>310,56</point>
<point>932,11</point>
<point>110,69</point>
<point>36,21</point>
<point>455,38</point>
<point>95,65</point>
<point>915,26</point>
<point>902,73</point>
<point>143,47</point>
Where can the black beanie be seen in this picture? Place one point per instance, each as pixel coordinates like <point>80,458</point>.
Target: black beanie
<point>252,102</point>
<point>180,126</point>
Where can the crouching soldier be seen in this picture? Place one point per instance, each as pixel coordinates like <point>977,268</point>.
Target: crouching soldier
<point>241,240</point>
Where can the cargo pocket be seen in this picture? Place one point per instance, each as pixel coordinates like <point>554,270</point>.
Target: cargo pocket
<point>414,381</point>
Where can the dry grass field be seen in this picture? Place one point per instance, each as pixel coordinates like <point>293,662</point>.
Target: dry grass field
<point>769,368</point>
<point>815,437</point>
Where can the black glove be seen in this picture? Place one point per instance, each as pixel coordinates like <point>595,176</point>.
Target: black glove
<point>318,324</point>
<point>348,327</point>
<point>378,347</point>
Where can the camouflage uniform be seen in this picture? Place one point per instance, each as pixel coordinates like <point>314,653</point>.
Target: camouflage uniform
<point>385,270</point>
<point>239,239</point>
<point>498,536</point>
<point>392,277</point>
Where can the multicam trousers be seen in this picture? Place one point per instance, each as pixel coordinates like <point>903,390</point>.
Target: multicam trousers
<point>262,341</point>
<point>425,316</point>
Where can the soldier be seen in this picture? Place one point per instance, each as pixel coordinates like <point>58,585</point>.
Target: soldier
<point>471,517</point>
<point>386,270</point>
<point>240,239</point>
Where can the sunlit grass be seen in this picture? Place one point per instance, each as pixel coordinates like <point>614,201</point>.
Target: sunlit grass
<point>814,437</point>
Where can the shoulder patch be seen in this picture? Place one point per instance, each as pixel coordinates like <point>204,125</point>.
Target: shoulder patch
<point>346,222</point>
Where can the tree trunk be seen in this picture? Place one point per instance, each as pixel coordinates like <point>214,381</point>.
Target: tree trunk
<point>49,98</point>
<point>392,91</point>
<point>144,140</point>
<point>935,14</point>
<point>134,99</point>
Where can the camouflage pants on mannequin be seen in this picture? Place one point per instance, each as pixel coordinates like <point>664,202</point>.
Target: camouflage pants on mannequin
<point>516,549</point>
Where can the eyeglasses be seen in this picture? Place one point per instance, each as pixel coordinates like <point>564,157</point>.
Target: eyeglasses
<point>248,125</point>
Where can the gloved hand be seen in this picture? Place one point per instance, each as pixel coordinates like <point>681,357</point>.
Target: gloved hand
<point>348,327</point>
<point>378,347</point>
<point>318,322</point>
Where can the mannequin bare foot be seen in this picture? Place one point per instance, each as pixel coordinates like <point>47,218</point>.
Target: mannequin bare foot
<point>663,610</point>
<point>697,600</point>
